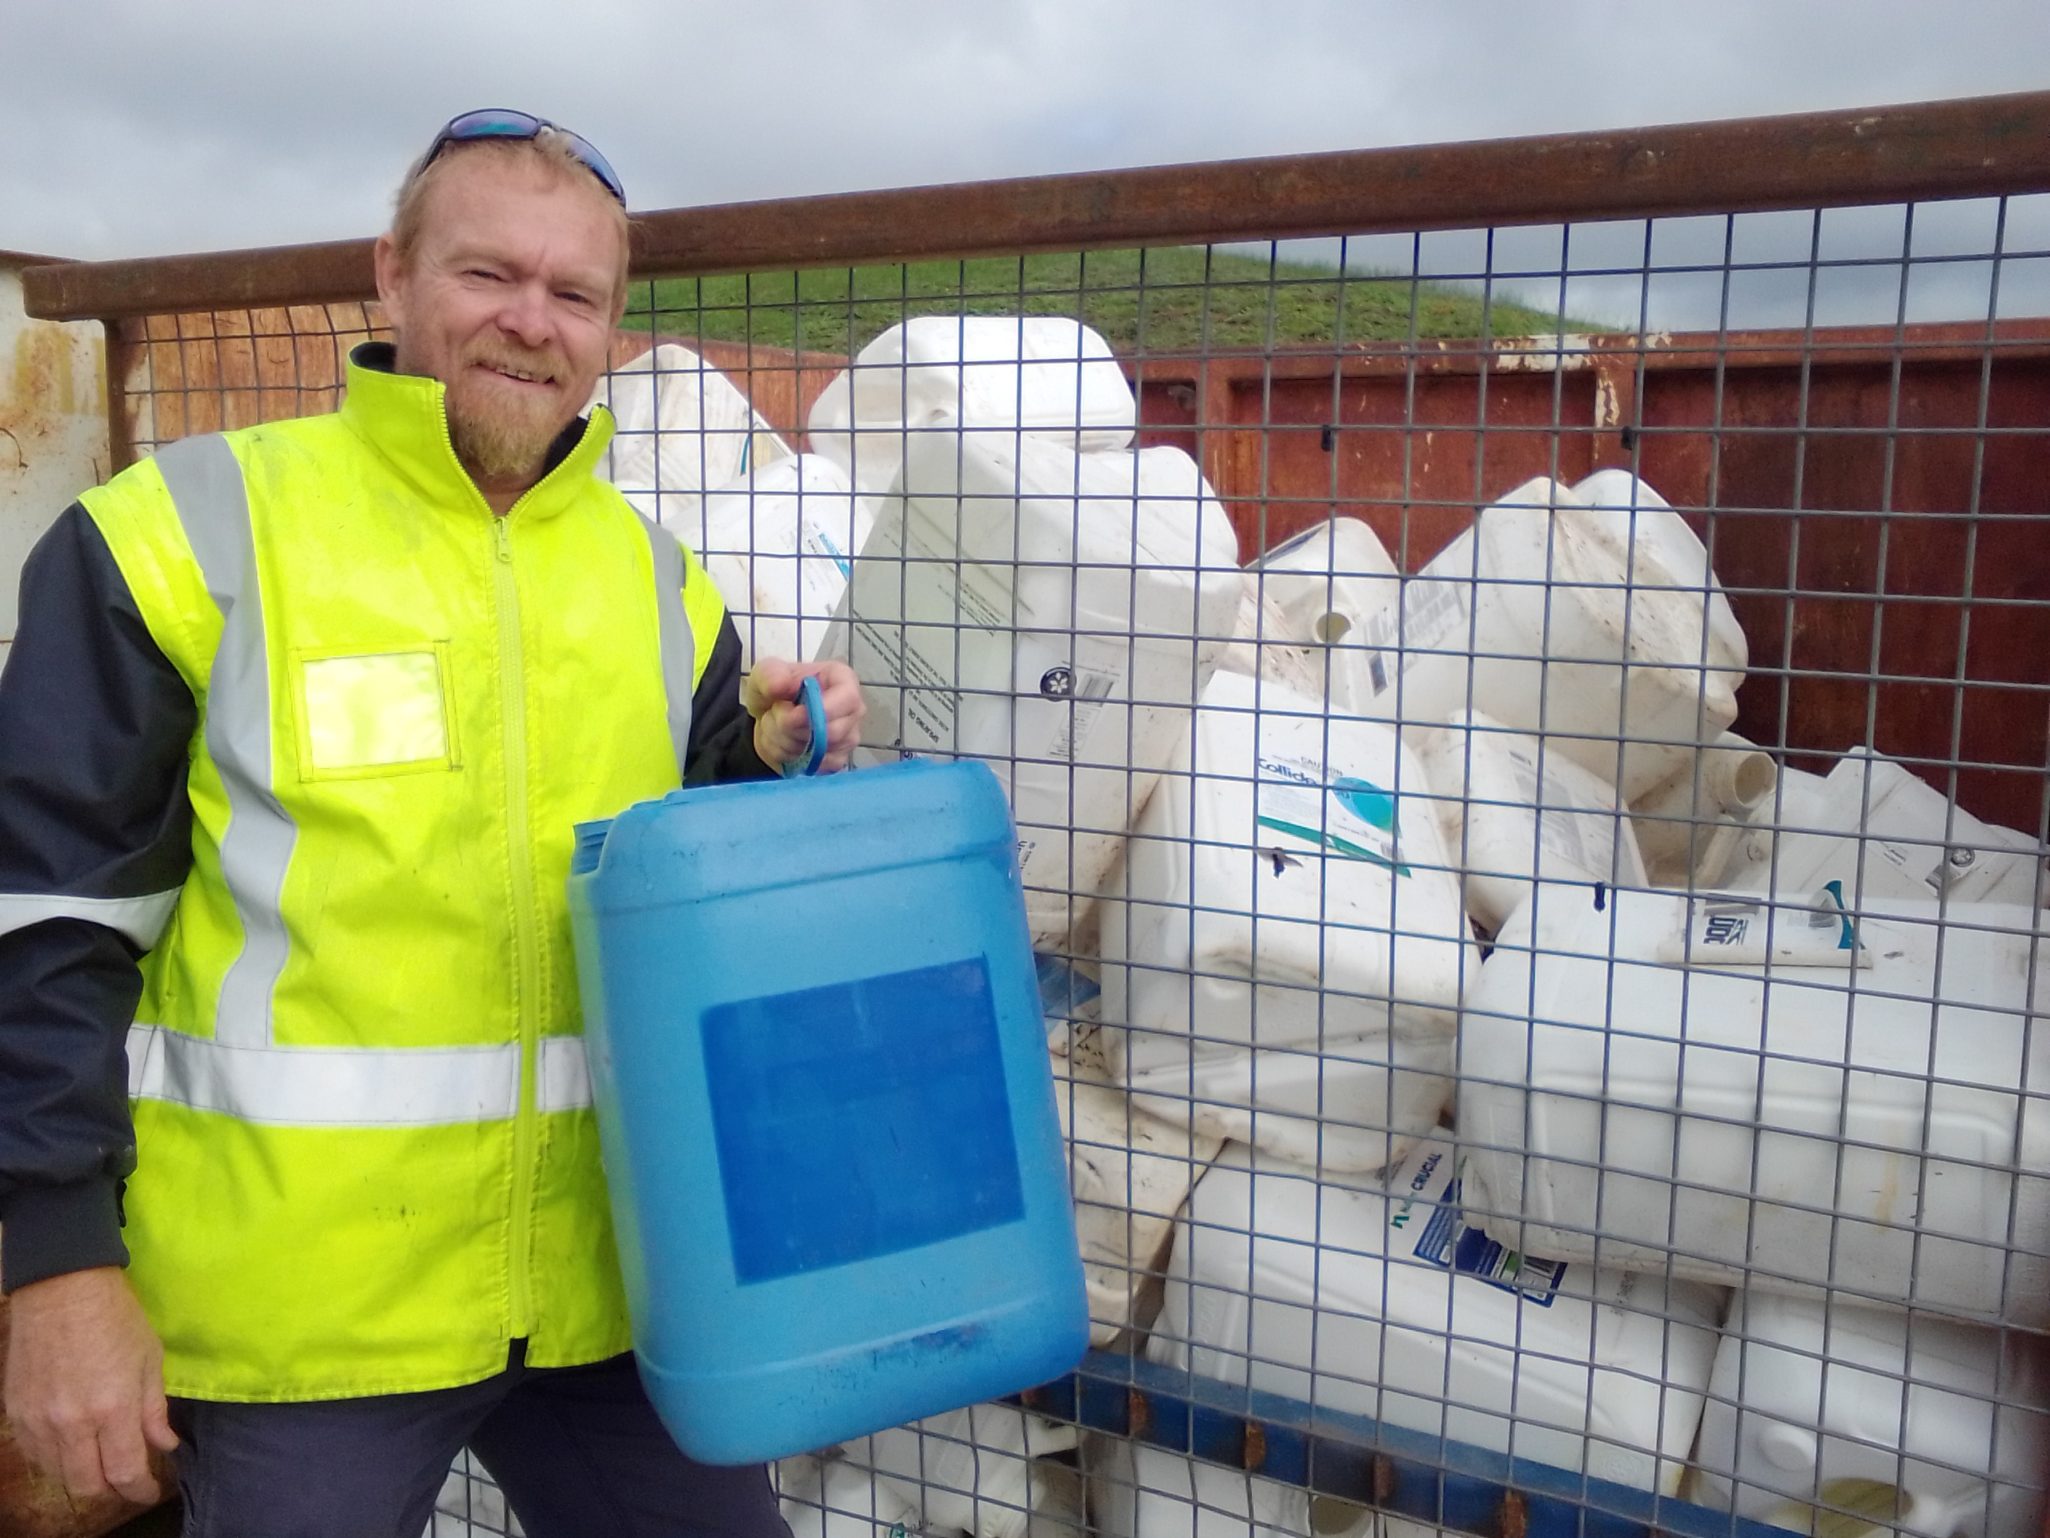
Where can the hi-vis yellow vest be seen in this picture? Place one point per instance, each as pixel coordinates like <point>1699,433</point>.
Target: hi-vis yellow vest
<point>367,1157</point>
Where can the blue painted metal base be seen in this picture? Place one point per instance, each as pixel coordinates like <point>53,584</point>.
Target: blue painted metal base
<point>1411,1473</point>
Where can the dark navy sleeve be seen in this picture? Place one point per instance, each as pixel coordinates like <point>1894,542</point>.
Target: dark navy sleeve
<point>722,733</point>
<point>95,840</point>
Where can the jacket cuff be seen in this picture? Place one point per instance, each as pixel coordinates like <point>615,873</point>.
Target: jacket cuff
<point>46,1231</point>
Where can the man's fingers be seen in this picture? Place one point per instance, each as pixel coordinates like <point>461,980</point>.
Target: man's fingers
<point>77,1463</point>
<point>156,1416</point>
<point>124,1460</point>
<point>769,680</point>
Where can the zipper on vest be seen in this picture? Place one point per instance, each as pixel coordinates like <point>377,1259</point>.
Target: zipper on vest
<point>512,704</point>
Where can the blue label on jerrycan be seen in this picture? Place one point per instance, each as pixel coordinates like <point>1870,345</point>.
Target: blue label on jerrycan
<point>823,1100</point>
<point>827,1112</point>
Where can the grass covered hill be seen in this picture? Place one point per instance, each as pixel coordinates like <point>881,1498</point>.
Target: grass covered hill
<point>1166,300</point>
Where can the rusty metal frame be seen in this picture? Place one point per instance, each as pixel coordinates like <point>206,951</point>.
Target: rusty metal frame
<point>1976,147</point>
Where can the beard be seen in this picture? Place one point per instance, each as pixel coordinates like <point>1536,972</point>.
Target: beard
<point>499,431</point>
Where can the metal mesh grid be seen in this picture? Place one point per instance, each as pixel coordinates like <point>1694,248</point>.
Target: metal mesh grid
<point>1847,407</point>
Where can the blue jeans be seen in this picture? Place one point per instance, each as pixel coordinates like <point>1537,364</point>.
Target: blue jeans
<point>577,1450</point>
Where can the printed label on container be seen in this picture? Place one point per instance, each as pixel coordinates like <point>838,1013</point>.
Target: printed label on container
<point>1564,817</point>
<point>1449,1243</point>
<point>1432,617</point>
<point>955,613</point>
<point>1295,796</point>
<point>1099,667</point>
<point>1732,930</point>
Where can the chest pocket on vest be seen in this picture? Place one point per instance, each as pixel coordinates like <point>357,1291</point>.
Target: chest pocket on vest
<point>373,713</point>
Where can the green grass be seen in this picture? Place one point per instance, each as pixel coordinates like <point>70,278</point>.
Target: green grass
<point>1164,300</point>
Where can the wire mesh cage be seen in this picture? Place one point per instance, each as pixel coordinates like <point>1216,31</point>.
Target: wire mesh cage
<point>1531,751</point>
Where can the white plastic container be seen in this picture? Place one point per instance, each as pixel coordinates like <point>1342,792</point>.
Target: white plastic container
<point>967,1470</point>
<point>683,426</point>
<point>1588,614</point>
<point>1397,1303</point>
<point>1323,587</point>
<point>1148,1492</point>
<point>1045,375</point>
<point>1774,1127</point>
<point>1286,887</point>
<point>1351,1106</point>
<point>1690,827</point>
<point>780,543</point>
<point>1260,648</point>
<point>1914,843</point>
<point>1936,1426</point>
<point>1287,883</point>
<point>1054,614</point>
<point>1328,582</point>
<point>1130,1173</point>
<point>1514,811</point>
<point>825,1498</point>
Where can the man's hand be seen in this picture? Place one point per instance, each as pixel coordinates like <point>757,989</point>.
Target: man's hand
<point>781,731</point>
<point>85,1384</point>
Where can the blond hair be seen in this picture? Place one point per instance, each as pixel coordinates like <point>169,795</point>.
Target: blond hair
<point>548,150</point>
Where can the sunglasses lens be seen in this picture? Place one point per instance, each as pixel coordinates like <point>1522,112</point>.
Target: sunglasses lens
<point>493,123</point>
<point>505,123</point>
<point>600,166</point>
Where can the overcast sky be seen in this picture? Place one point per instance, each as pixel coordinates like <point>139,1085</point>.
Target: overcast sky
<point>134,127</point>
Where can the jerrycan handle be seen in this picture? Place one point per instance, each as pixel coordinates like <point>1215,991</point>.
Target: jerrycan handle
<point>815,715</point>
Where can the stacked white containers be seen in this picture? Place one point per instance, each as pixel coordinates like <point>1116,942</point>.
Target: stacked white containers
<point>1587,614</point>
<point>1772,1095</point>
<point>1287,950</point>
<point>1286,953</point>
<point>1054,614</point>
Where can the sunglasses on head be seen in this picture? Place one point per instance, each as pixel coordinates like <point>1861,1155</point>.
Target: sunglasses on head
<point>504,123</point>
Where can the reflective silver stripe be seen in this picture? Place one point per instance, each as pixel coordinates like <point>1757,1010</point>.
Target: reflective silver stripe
<point>679,652</point>
<point>205,482</point>
<point>563,1082</point>
<point>142,919</point>
<point>352,1086</point>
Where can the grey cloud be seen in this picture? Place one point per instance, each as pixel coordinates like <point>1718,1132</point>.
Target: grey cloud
<point>130,127</point>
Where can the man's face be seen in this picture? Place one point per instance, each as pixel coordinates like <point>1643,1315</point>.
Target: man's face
<point>508,297</point>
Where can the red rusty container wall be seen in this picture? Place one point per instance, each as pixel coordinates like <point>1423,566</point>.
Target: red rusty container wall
<point>203,372</point>
<point>1860,625</point>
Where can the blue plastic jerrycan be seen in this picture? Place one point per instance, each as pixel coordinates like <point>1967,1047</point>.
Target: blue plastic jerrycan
<point>825,1104</point>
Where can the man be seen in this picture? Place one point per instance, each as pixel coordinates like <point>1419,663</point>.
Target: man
<point>295,729</point>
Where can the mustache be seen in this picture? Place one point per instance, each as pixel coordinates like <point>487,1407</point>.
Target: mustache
<point>544,364</point>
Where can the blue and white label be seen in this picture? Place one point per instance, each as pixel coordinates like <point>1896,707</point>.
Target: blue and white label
<point>1340,814</point>
<point>1450,1243</point>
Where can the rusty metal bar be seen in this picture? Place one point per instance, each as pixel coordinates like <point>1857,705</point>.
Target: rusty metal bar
<point>1953,149</point>
<point>1926,343</point>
